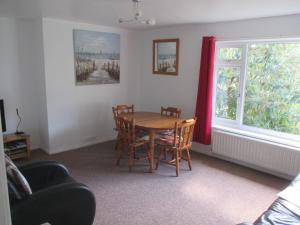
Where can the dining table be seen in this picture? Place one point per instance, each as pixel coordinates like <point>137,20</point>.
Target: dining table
<point>152,123</point>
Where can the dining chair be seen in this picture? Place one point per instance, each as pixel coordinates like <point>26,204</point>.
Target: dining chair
<point>176,144</point>
<point>117,110</point>
<point>132,141</point>
<point>124,109</point>
<point>170,111</point>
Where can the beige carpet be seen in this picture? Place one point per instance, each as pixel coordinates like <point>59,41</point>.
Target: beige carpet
<point>214,193</point>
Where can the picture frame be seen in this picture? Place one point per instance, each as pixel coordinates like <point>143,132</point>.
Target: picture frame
<point>96,57</point>
<point>165,56</point>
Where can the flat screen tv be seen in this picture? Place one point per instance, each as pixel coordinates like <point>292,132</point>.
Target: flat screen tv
<point>2,115</point>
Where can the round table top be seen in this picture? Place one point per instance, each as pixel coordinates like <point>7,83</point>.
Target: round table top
<point>152,121</point>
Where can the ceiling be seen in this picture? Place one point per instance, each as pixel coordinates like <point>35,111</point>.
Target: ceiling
<point>166,12</point>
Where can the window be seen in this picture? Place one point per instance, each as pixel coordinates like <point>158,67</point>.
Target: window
<point>257,87</point>
<point>227,92</point>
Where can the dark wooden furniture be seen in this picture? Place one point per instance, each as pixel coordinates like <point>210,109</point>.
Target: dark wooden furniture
<point>130,140</point>
<point>177,143</point>
<point>17,146</point>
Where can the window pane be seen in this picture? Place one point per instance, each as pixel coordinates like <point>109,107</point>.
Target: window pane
<point>230,53</point>
<point>272,97</point>
<point>226,92</point>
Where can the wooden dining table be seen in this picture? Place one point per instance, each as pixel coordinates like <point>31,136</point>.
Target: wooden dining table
<point>152,123</point>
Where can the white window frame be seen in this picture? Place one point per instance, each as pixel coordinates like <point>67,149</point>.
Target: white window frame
<point>237,125</point>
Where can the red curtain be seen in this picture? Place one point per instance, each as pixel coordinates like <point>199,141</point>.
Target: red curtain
<point>202,132</point>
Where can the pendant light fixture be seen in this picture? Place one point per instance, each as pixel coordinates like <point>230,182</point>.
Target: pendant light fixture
<point>137,15</point>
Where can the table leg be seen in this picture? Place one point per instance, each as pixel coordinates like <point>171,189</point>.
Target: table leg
<point>151,139</point>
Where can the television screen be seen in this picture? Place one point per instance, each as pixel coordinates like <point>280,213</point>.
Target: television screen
<point>2,115</point>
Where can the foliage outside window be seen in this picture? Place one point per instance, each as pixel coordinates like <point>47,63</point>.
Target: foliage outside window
<point>257,86</point>
<point>227,91</point>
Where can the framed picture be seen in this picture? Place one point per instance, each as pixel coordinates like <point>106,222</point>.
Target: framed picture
<point>165,56</point>
<point>96,57</point>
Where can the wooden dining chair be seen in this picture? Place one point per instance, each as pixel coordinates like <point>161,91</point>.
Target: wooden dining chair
<point>176,144</point>
<point>131,141</point>
<point>117,110</point>
<point>124,109</point>
<point>170,111</point>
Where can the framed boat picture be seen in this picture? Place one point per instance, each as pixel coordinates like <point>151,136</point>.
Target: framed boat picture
<point>165,56</point>
<point>96,57</point>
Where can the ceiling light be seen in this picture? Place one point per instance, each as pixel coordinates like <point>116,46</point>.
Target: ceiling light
<point>137,15</point>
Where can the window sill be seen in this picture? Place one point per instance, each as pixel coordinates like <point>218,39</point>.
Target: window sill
<point>295,145</point>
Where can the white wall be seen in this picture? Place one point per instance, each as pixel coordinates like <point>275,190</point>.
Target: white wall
<point>4,203</point>
<point>38,98</point>
<point>56,113</point>
<point>37,75</point>
<point>9,71</point>
<point>21,74</point>
<point>181,91</point>
<point>81,115</point>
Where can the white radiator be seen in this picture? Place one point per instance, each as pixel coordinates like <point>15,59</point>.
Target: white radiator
<point>267,155</point>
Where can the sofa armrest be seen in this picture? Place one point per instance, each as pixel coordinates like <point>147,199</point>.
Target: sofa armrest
<point>42,173</point>
<point>68,204</point>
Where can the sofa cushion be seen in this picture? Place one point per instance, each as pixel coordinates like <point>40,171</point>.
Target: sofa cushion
<point>17,178</point>
<point>285,210</point>
<point>281,212</point>
<point>292,192</point>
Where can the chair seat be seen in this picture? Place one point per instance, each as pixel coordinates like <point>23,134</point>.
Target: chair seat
<point>141,132</point>
<point>177,144</point>
<point>142,139</point>
<point>132,140</point>
<point>166,132</point>
<point>167,139</point>
<point>51,183</point>
<point>56,198</point>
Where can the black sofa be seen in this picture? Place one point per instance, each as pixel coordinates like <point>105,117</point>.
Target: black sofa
<point>283,210</point>
<point>56,197</point>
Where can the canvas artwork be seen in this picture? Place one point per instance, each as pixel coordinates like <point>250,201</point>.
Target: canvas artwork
<point>97,57</point>
<point>165,56</point>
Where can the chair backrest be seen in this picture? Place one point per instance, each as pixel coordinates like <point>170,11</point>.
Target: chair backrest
<point>125,109</point>
<point>184,133</point>
<point>127,129</point>
<point>170,111</point>
<point>117,110</point>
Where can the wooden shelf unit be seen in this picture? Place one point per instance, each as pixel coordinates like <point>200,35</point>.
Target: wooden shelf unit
<point>17,146</point>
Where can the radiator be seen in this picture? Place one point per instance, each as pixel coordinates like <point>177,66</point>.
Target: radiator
<point>264,154</point>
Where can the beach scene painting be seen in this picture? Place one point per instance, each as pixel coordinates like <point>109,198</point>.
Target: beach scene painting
<point>165,56</point>
<point>96,57</point>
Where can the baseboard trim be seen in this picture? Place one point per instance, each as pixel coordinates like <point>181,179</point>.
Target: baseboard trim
<point>207,150</point>
<point>75,147</point>
<point>199,148</point>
